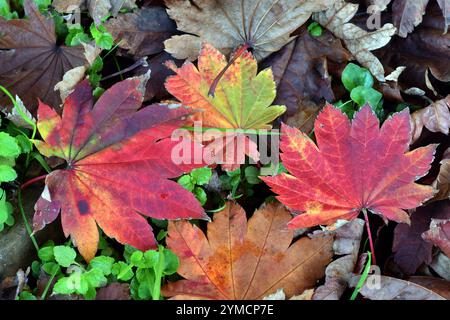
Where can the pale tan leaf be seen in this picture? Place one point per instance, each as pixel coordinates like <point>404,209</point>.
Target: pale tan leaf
<point>358,41</point>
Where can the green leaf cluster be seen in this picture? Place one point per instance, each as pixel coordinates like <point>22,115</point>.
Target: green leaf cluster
<point>194,180</point>
<point>359,82</point>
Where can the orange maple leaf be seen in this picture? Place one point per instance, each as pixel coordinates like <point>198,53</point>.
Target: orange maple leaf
<point>237,259</point>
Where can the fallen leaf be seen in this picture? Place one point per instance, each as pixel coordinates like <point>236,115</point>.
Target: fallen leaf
<point>441,265</point>
<point>15,117</point>
<point>424,49</point>
<point>99,10</point>
<point>442,182</point>
<point>410,250</point>
<point>265,25</point>
<point>143,32</point>
<point>31,61</point>
<point>114,291</point>
<point>408,14</point>
<point>439,286</point>
<point>358,41</point>
<point>242,100</point>
<point>72,77</point>
<point>397,289</point>
<point>354,166</point>
<point>301,70</point>
<point>436,118</point>
<point>118,162</point>
<point>237,259</point>
<point>439,234</point>
<point>339,272</point>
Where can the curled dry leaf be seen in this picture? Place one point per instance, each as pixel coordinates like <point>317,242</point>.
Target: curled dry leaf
<point>358,41</point>
<point>354,166</point>
<point>424,49</point>
<point>439,234</point>
<point>435,118</point>
<point>340,271</point>
<point>300,70</point>
<point>410,249</point>
<point>442,182</point>
<point>143,32</point>
<point>408,14</point>
<point>243,259</point>
<point>118,164</point>
<point>31,61</point>
<point>396,289</point>
<point>265,25</point>
<point>242,100</point>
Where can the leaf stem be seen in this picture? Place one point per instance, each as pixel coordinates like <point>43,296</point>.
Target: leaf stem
<point>156,294</point>
<point>237,54</point>
<point>49,283</point>
<point>31,181</point>
<point>369,233</point>
<point>25,220</point>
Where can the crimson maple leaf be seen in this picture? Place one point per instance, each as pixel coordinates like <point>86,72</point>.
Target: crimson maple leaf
<point>355,166</point>
<point>118,164</point>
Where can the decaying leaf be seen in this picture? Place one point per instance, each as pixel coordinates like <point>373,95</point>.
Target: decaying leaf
<point>442,182</point>
<point>242,99</point>
<point>354,166</point>
<point>410,249</point>
<point>72,77</point>
<point>265,25</point>
<point>340,271</point>
<point>424,49</point>
<point>435,118</point>
<point>441,265</point>
<point>439,234</point>
<point>408,14</point>
<point>245,260</point>
<point>358,41</point>
<point>396,289</point>
<point>31,61</point>
<point>143,32</point>
<point>439,286</point>
<point>301,71</point>
<point>118,164</point>
<point>15,117</point>
<point>98,9</point>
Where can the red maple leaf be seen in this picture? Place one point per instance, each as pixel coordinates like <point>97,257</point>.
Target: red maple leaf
<point>355,166</point>
<point>118,164</point>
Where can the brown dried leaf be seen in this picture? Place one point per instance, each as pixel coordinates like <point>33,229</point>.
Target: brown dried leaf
<point>441,287</point>
<point>266,24</point>
<point>442,182</point>
<point>408,14</point>
<point>358,41</point>
<point>435,118</point>
<point>31,62</point>
<point>339,272</point>
<point>300,70</point>
<point>439,234</point>
<point>142,33</point>
<point>397,289</point>
<point>410,250</point>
